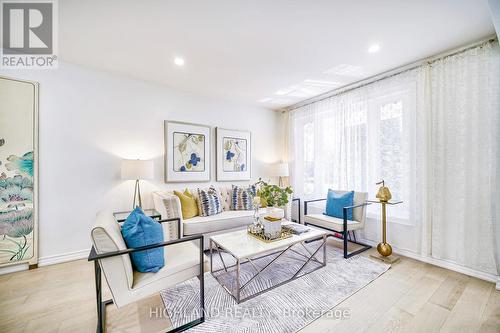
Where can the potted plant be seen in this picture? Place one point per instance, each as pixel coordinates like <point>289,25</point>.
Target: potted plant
<point>274,198</point>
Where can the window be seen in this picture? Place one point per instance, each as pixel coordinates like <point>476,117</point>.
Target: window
<point>352,141</point>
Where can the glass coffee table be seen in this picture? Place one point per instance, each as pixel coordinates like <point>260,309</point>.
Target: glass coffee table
<point>246,250</point>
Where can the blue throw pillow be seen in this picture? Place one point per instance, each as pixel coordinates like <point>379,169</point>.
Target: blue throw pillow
<point>336,201</point>
<point>141,230</point>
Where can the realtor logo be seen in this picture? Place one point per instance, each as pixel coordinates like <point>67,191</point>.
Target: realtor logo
<point>28,34</point>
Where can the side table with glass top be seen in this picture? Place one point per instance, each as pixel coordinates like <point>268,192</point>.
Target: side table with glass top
<point>122,216</point>
<point>385,249</point>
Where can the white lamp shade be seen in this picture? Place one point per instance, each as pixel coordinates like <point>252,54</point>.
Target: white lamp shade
<point>282,170</point>
<point>137,169</point>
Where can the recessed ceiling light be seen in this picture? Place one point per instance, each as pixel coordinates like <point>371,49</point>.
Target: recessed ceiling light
<point>374,48</point>
<point>179,61</point>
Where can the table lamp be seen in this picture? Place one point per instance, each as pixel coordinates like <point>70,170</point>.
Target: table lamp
<point>282,171</point>
<point>137,170</point>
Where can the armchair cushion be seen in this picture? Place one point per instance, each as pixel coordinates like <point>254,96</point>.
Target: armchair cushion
<point>336,201</point>
<point>141,230</point>
<point>178,258</point>
<point>331,223</point>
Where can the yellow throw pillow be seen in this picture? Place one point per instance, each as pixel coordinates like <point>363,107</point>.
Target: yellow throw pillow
<point>189,206</point>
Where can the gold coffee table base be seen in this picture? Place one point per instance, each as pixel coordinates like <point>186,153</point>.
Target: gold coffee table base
<point>390,259</point>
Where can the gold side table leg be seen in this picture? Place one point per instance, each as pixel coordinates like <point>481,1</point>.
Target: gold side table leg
<point>384,249</point>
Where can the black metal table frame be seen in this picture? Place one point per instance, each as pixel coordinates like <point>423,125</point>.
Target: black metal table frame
<point>101,305</point>
<point>249,260</point>
<point>344,232</point>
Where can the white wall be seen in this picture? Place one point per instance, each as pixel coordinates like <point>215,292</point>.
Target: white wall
<point>495,14</point>
<point>90,120</point>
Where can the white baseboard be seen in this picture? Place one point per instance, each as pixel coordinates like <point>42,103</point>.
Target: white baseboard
<point>444,264</point>
<point>46,261</point>
<point>60,258</point>
<point>13,268</point>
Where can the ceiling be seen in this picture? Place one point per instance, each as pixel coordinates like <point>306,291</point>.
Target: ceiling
<point>261,52</point>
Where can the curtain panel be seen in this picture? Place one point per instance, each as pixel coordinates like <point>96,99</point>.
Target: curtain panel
<point>432,134</point>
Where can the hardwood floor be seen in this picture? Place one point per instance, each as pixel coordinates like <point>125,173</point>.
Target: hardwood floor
<point>411,297</point>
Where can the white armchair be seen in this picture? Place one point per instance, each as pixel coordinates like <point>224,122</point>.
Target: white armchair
<point>184,259</point>
<point>343,226</point>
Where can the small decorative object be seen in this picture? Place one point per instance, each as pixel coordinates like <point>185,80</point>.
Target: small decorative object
<point>187,152</point>
<point>256,207</point>
<point>137,170</point>
<point>255,228</point>
<point>259,233</point>
<point>272,227</point>
<point>383,194</point>
<point>384,249</point>
<point>233,154</point>
<point>297,229</point>
<point>18,172</point>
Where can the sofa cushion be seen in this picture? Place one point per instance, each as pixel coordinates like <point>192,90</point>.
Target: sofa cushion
<point>225,220</point>
<point>225,195</point>
<point>209,201</point>
<point>189,207</point>
<point>242,197</point>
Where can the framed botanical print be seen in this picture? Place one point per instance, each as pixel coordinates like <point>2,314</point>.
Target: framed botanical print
<point>187,152</point>
<point>18,172</point>
<point>234,158</point>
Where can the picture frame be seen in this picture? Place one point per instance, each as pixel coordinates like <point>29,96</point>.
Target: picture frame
<point>19,172</point>
<point>187,152</point>
<point>233,154</point>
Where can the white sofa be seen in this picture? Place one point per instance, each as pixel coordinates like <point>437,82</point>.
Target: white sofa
<point>169,206</point>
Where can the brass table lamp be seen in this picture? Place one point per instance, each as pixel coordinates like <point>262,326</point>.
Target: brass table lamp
<point>384,249</point>
<point>137,170</point>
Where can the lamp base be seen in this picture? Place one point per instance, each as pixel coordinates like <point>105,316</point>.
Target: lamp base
<point>137,195</point>
<point>390,259</point>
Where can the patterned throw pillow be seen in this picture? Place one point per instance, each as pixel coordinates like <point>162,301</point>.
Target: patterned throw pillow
<point>241,197</point>
<point>209,200</point>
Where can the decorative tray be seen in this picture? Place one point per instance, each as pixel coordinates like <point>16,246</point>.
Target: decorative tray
<point>260,235</point>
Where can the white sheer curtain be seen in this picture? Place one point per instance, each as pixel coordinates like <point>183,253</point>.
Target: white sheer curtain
<point>464,98</point>
<point>432,133</point>
<point>353,140</point>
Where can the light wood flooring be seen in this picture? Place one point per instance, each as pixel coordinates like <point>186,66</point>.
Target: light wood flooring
<point>411,297</point>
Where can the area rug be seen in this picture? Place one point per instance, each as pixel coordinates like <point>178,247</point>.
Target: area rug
<point>287,308</point>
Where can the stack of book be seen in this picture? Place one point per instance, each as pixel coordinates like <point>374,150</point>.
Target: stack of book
<point>297,229</point>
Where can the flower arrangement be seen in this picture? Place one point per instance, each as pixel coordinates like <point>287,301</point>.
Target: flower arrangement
<point>272,195</point>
